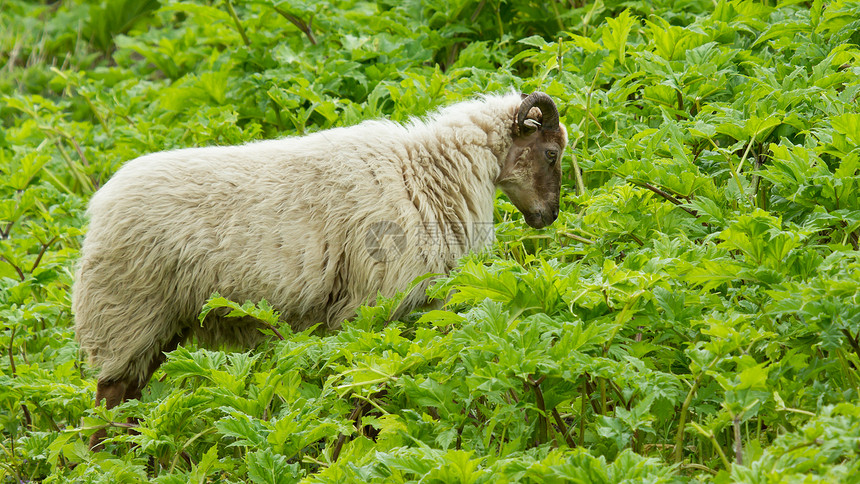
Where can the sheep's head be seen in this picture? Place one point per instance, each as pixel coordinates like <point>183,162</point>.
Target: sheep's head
<point>531,173</point>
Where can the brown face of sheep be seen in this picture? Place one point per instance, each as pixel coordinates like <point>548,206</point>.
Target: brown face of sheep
<point>531,174</point>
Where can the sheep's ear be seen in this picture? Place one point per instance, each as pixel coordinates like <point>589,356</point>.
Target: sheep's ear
<point>528,127</point>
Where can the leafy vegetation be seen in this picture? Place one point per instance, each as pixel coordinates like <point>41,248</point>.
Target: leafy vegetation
<point>693,315</point>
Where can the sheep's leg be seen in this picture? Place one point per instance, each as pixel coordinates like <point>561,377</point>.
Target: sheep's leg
<point>113,393</point>
<point>135,390</point>
<point>118,391</point>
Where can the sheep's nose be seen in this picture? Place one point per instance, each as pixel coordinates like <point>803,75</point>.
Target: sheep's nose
<point>555,213</point>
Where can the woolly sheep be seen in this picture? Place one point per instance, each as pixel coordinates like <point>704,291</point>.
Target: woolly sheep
<point>296,221</point>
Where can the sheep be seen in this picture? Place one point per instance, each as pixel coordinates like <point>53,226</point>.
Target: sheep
<point>301,222</point>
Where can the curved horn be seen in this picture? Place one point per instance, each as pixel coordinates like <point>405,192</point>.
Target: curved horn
<point>547,108</point>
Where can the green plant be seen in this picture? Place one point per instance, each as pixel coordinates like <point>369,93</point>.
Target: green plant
<point>691,316</point>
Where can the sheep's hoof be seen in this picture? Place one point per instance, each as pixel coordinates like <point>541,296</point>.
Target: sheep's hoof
<point>113,393</point>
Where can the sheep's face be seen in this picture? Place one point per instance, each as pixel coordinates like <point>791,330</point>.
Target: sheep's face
<point>531,173</point>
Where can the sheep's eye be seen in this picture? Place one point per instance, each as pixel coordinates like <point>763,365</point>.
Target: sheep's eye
<point>551,156</point>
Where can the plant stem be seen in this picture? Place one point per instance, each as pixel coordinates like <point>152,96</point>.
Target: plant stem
<point>76,170</point>
<point>238,23</point>
<point>665,195</point>
<point>305,27</point>
<point>746,153</point>
<point>28,419</point>
<point>543,424</point>
<point>739,455</point>
<point>477,10</point>
<point>17,269</point>
<point>577,172</point>
<point>682,419</point>
<point>77,148</point>
<point>699,467</point>
<point>188,443</point>
<point>564,430</point>
<point>5,231</point>
<point>55,181</point>
<point>578,238</point>
<point>732,170</point>
<point>582,413</point>
<point>589,389</point>
<point>357,412</point>
<point>355,416</point>
<point>603,396</point>
<point>560,58</point>
<point>557,15</point>
<point>8,467</point>
<point>499,19</point>
<point>12,350</point>
<point>716,444</point>
<point>756,184</point>
<point>588,110</point>
<point>852,341</point>
<point>42,252</point>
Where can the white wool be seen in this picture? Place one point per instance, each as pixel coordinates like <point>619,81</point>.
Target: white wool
<point>283,220</point>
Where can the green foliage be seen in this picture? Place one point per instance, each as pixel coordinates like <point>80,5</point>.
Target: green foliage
<point>692,315</point>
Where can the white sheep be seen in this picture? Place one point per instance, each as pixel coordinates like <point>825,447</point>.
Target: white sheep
<point>298,222</point>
